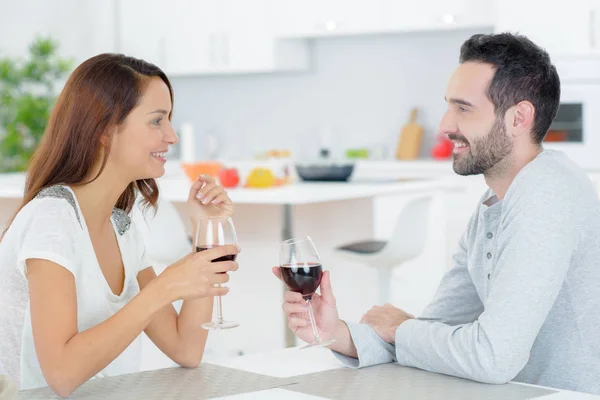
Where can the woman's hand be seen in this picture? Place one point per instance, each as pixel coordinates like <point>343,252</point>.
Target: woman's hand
<point>196,276</point>
<point>208,199</point>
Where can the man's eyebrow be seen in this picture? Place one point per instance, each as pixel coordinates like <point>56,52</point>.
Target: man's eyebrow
<point>462,102</point>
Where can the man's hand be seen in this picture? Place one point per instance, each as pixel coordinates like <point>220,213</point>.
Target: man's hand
<point>385,320</point>
<point>324,308</point>
<point>329,324</point>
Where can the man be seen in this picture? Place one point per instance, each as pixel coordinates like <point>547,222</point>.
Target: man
<point>522,300</point>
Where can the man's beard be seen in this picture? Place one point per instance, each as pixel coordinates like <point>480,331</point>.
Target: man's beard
<point>483,153</point>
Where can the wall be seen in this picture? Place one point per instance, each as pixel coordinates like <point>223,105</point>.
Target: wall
<point>361,87</point>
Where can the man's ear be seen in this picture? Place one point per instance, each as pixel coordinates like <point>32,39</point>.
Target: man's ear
<point>523,118</point>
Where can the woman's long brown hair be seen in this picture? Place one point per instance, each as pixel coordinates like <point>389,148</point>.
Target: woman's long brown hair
<point>98,96</point>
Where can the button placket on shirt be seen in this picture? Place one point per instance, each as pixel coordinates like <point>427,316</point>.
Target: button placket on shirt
<point>489,254</point>
<point>490,243</point>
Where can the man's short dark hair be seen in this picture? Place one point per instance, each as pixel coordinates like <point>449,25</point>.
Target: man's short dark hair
<point>523,72</point>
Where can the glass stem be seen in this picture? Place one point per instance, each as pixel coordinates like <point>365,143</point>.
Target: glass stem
<point>312,322</point>
<point>219,307</point>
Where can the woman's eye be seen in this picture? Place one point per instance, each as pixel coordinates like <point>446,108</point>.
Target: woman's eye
<point>156,121</point>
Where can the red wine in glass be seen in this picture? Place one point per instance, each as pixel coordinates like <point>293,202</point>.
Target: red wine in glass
<point>302,272</point>
<point>230,257</point>
<point>214,232</point>
<point>302,278</point>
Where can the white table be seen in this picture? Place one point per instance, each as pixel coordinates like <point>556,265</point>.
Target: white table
<point>411,383</point>
<point>314,372</point>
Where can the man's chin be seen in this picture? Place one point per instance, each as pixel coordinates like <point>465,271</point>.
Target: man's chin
<point>458,164</point>
<point>462,167</point>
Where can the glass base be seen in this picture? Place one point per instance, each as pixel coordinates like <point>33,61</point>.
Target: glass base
<point>218,325</point>
<point>318,344</point>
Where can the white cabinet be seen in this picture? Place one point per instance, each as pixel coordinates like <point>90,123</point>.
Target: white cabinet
<point>563,28</point>
<point>314,18</point>
<point>192,35</point>
<point>306,18</point>
<point>246,40</point>
<point>142,28</point>
<point>81,28</point>
<point>99,34</point>
<point>206,36</point>
<point>437,14</point>
<point>246,44</point>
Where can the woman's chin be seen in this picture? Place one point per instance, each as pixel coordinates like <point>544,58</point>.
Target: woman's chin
<point>155,173</point>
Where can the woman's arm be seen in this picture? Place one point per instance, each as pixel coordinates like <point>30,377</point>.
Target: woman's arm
<point>67,357</point>
<point>181,337</point>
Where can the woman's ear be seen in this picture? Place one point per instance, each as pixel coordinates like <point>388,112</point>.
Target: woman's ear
<point>106,137</point>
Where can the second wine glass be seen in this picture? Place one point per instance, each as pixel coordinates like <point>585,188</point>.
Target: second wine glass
<point>301,271</point>
<point>213,232</point>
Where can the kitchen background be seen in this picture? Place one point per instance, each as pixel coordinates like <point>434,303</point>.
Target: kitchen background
<point>251,76</point>
<point>254,76</point>
<point>359,88</point>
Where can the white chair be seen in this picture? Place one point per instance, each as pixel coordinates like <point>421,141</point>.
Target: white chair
<point>406,243</point>
<point>164,234</point>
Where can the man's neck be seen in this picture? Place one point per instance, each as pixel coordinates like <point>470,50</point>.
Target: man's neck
<point>500,177</point>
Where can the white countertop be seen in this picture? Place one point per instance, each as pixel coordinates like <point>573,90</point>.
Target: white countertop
<point>175,188</point>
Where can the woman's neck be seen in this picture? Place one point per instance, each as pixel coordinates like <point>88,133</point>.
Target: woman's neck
<point>98,199</point>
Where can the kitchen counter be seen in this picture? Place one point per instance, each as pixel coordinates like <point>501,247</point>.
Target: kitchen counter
<point>175,188</point>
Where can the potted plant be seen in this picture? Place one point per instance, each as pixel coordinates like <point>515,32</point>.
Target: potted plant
<point>27,94</point>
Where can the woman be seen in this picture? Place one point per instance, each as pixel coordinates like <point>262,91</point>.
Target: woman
<point>77,286</point>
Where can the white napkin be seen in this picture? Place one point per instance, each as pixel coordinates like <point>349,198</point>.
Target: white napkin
<point>284,363</point>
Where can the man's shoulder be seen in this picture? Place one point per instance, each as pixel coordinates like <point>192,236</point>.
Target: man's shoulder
<point>551,175</point>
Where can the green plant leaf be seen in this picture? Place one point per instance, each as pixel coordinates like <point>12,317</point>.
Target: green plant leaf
<point>27,96</point>
<point>43,47</point>
<point>9,72</point>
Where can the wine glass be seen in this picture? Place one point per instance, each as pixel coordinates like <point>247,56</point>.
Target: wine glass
<point>301,271</point>
<point>212,232</point>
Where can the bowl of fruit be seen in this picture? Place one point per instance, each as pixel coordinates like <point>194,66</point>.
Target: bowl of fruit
<point>194,169</point>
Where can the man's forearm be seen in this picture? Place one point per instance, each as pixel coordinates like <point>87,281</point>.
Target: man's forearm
<point>343,341</point>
